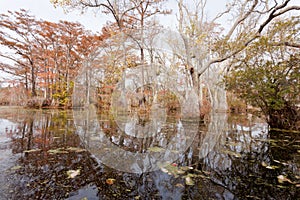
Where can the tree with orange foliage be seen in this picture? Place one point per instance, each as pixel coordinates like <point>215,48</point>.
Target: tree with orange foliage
<point>132,17</point>
<point>17,35</point>
<point>46,56</point>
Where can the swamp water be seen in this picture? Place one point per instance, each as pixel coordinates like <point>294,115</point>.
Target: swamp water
<point>75,154</point>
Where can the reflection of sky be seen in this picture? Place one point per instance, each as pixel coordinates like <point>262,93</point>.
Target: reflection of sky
<point>237,143</point>
<point>7,158</point>
<point>4,126</point>
<point>257,130</point>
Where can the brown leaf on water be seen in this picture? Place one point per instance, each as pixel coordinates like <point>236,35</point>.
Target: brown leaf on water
<point>110,181</point>
<point>179,185</point>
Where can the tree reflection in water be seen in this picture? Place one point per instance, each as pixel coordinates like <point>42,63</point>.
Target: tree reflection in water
<point>231,158</point>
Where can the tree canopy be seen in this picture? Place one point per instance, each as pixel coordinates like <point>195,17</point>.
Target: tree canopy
<point>267,74</point>
<point>45,56</point>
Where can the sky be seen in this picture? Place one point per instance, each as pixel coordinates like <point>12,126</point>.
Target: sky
<point>43,9</point>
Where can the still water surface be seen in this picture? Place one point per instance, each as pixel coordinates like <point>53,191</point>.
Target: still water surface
<point>75,154</point>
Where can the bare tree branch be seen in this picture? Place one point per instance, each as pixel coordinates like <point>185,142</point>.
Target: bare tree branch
<point>277,11</point>
<point>273,14</point>
<point>242,18</point>
<point>5,68</point>
<point>289,44</point>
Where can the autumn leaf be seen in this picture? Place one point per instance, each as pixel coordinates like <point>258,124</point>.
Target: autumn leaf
<point>110,181</point>
<point>73,173</point>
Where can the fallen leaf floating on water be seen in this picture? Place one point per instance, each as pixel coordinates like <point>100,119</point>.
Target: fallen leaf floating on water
<point>77,150</point>
<point>282,179</point>
<point>73,173</point>
<point>283,163</point>
<point>186,168</point>
<point>57,151</point>
<point>156,149</point>
<point>16,167</point>
<point>164,170</point>
<point>110,181</point>
<point>189,181</point>
<point>264,164</point>
<point>179,185</point>
<point>32,150</point>
<point>268,166</point>
<point>173,169</point>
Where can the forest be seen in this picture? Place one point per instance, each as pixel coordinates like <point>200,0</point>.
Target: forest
<point>252,64</point>
<point>169,99</point>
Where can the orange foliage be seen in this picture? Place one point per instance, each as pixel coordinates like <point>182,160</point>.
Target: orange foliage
<point>42,53</point>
